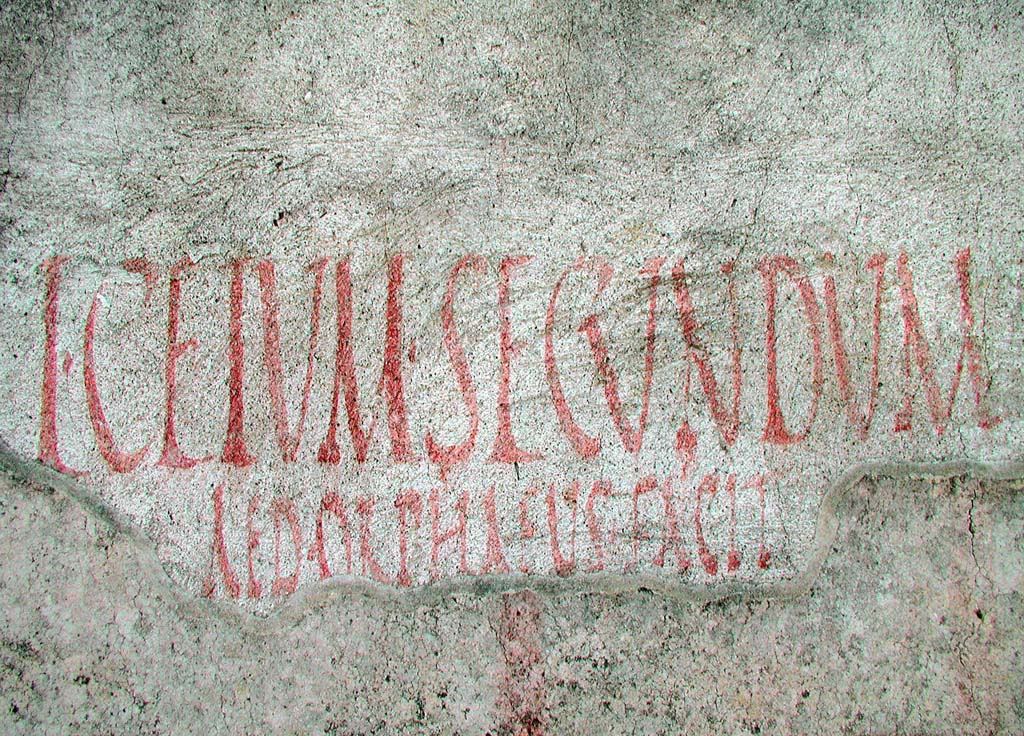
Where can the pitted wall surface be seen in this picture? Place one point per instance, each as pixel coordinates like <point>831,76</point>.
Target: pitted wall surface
<point>509,317</point>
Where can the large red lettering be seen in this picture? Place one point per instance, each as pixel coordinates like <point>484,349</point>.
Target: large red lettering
<point>916,350</point>
<point>632,438</point>
<point>391,377</point>
<point>775,428</point>
<point>345,374</point>
<point>391,383</point>
<point>860,421</point>
<point>287,440</point>
<point>172,455</point>
<point>447,456</point>
<point>727,420</point>
<point>585,445</point>
<point>235,451</point>
<point>505,448</point>
<point>118,460</point>
<point>48,450</point>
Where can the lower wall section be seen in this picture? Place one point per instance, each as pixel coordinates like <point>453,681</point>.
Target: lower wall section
<point>915,624</point>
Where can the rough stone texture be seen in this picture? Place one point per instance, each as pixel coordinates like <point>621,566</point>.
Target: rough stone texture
<point>718,131</point>
<point>914,625</point>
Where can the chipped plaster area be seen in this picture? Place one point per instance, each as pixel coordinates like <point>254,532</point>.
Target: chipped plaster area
<point>914,623</point>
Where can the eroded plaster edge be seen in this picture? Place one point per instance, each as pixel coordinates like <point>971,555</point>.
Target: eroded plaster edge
<point>42,478</point>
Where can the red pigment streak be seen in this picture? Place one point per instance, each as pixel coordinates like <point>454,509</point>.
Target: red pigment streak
<point>456,531</point>
<point>733,558</point>
<point>632,438</point>
<point>119,462</point>
<point>505,448</point>
<point>563,566</point>
<point>707,487</point>
<point>601,489</point>
<point>775,428</point>
<point>585,445</point>
<point>671,537</point>
<point>287,440</point>
<point>764,554</point>
<point>235,452</point>
<point>528,530</point>
<point>172,456</point>
<point>727,420</point>
<point>147,270</point>
<point>252,544</point>
<point>643,486</point>
<point>494,559</point>
<point>219,552</point>
<point>686,453</point>
<point>49,453</point>
<point>333,504</point>
<point>448,456</point>
<point>282,510</point>
<point>521,681</point>
<point>861,422</point>
<point>407,504</point>
<point>364,507</point>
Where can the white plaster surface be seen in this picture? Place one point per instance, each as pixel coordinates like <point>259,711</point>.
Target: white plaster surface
<point>845,581</point>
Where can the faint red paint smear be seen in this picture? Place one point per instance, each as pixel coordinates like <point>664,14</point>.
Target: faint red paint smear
<point>521,682</point>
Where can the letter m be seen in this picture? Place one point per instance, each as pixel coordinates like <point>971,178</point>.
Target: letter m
<point>916,350</point>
